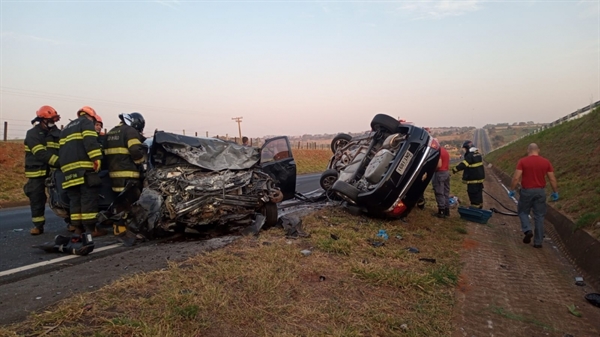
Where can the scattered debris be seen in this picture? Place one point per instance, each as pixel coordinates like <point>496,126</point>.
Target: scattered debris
<point>412,250</point>
<point>322,278</point>
<point>292,226</point>
<point>399,237</point>
<point>306,252</point>
<point>335,237</point>
<point>383,234</point>
<point>404,327</point>
<point>38,298</point>
<point>18,230</point>
<point>365,261</point>
<point>593,298</point>
<point>418,235</point>
<point>185,291</point>
<point>573,310</point>
<point>377,244</point>
<point>579,281</point>
<point>288,242</point>
<point>503,266</point>
<point>267,243</point>
<point>425,259</point>
<point>77,244</point>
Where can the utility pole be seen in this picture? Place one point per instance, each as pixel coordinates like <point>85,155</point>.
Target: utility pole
<point>239,121</point>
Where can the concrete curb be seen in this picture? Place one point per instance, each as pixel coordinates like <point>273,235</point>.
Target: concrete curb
<point>579,247</point>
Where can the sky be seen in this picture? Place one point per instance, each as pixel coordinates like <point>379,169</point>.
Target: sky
<point>298,67</point>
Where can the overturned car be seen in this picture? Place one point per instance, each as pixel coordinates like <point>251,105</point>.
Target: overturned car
<point>383,172</point>
<point>192,184</point>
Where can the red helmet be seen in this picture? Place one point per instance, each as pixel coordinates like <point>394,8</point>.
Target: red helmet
<point>47,112</point>
<point>88,111</point>
<point>99,119</point>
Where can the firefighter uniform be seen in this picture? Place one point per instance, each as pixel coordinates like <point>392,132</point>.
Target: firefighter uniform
<point>473,175</point>
<point>79,149</point>
<point>41,154</point>
<point>124,153</point>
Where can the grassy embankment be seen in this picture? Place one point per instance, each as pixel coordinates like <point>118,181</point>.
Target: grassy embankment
<point>574,150</point>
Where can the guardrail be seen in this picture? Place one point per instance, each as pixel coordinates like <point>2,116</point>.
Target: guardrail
<point>573,115</point>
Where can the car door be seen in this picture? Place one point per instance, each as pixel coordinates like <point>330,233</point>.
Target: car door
<point>276,160</point>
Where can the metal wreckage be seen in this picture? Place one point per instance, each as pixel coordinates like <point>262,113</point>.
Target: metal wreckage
<point>191,184</point>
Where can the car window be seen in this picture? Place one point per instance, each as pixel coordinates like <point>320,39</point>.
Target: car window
<point>275,150</point>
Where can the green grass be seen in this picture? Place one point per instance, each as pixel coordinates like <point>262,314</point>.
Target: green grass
<point>573,148</point>
<point>512,316</point>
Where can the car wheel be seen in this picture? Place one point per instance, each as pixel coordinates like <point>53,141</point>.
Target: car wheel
<point>270,213</point>
<point>346,191</point>
<point>340,141</point>
<point>328,178</point>
<point>384,122</point>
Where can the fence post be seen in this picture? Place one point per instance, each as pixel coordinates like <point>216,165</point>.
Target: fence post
<point>206,134</point>
<point>5,130</point>
<point>196,133</point>
<point>184,132</point>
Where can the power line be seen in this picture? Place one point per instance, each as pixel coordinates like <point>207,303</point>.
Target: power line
<point>239,121</point>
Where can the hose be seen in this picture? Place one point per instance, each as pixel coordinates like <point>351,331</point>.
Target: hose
<point>514,213</point>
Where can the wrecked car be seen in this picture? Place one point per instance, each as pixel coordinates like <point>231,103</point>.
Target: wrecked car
<point>192,183</point>
<point>382,172</point>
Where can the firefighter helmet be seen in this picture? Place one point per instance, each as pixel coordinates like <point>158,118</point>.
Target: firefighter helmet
<point>467,144</point>
<point>99,119</point>
<point>47,112</point>
<point>135,120</point>
<point>87,110</point>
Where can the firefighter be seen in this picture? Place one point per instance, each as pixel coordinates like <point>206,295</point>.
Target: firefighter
<point>473,173</point>
<point>125,151</point>
<point>80,159</point>
<point>41,154</point>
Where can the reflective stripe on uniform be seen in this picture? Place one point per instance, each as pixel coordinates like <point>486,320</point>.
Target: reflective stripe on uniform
<point>74,182</point>
<point>116,150</point>
<point>38,219</point>
<point>140,161</point>
<point>88,133</point>
<point>27,149</point>
<point>53,160</point>
<point>75,216</point>
<point>35,174</point>
<point>37,148</point>
<point>474,181</point>
<point>95,153</point>
<point>118,189</point>
<point>52,145</point>
<point>89,216</point>
<point>78,165</point>
<point>74,136</point>
<point>472,165</point>
<point>124,174</point>
<point>133,142</point>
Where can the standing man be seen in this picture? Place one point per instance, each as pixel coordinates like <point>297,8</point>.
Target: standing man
<point>125,151</point>
<point>41,154</point>
<point>245,141</point>
<point>473,175</point>
<point>80,160</point>
<point>532,171</point>
<point>441,184</point>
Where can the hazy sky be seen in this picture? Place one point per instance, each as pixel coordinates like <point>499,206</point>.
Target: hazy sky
<point>299,67</point>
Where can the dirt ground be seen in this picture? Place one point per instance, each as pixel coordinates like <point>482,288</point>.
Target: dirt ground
<point>508,288</point>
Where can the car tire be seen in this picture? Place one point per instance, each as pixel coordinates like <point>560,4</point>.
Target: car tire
<point>340,140</point>
<point>384,122</point>
<point>346,191</point>
<point>328,178</point>
<point>271,214</point>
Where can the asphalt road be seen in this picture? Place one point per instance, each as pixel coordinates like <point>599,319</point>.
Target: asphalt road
<point>16,242</point>
<point>481,140</point>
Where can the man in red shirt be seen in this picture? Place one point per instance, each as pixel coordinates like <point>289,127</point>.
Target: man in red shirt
<point>533,170</point>
<point>441,184</point>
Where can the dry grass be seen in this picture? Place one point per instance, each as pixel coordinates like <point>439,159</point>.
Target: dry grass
<point>265,287</point>
<point>12,172</point>
<point>311,161</point>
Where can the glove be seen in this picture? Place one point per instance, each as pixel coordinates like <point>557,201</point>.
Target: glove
<point>454,170</point>
<point>97,165</point>
<point>554,196</point>
<point>511,194</point>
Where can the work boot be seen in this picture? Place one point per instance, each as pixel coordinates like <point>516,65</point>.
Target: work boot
<point>98,232</point>
<point>421,204</point>
<point>71,228</point>
<point>447,211</point>
<point>36,231</point>
<point>527,237</point>
<point>440,214</point>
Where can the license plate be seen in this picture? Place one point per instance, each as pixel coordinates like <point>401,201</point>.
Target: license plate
<point>404,162</point>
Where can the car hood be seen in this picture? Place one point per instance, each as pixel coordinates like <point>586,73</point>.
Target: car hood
<point>208,153</point>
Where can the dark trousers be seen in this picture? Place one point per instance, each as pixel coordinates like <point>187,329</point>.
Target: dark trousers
<point>35,190</point>
<point>475,192</point>
<point>532,199</point>
<point>83,204</point>
<point>441,188</point>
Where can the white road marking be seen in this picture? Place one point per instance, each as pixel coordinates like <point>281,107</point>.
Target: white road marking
<point>57,260</point>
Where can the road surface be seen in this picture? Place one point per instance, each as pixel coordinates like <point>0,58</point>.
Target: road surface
<point>481,140</point>
<point>16,242</point>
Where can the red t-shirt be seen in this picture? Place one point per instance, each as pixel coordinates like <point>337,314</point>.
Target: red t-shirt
<point>534,170</point>
<point>445,157</point>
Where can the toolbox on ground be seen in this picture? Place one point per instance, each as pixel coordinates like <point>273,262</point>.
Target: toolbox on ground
<point>475,214</point>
